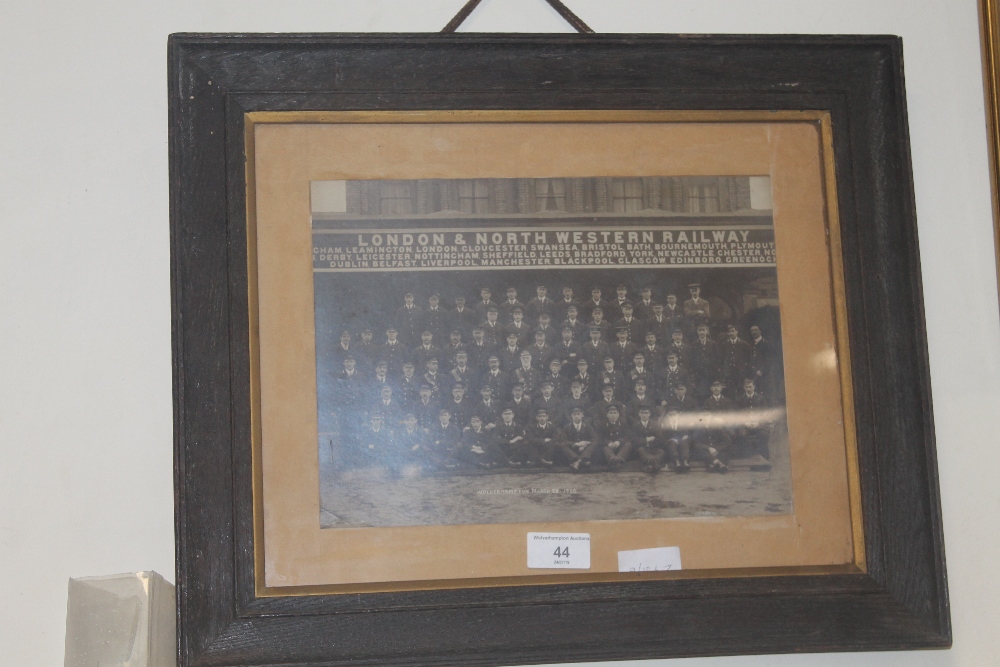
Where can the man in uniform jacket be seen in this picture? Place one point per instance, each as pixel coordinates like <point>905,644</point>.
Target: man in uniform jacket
<point>599,410</point>
<point>579,443</point>
<point>636,328</point>
<point>540,304</point>
<point>615,309</point>
<point>479,350</point>
<point>658,324</point>
<point>349,389</point>
<point>761,360</point>
<point>735,353</point>
<point>507,306</point>
<point>495,378</point>
<point>548,400</point>
<point>463,318</point>
<point>683,400</point>
<point>711,442</point>
<point>541,352</point>
<point>426,407</point>
<point>510,437</point>
<point>517,326</point>
<point>576,324</point>
<point>460,406</point>
<point>408,386</point>
<point>492,329</point>
<point>450,351</point>
<point>595,301</point>
<point>343,349</point>
<point>640,371</point>
<point>696,309</point>
<point>622,350</point>
<point>520,404</point>
<point>388,407</point>
<point>672,375</point>
<point>678,346</point>
<point>646,438</point>
<point>443,439</point>
<point>559,380</point>
<point>640,398</point>
<point>488,408</point>
<point>411,443</point>
<point>577,399</point>
<point>644,306</point>
<point>595,349</point>
<point>374,446</point>
<point>653,353</point>
<point>673,312</point>
<point>610,376</point>
<point>378,380</point>
<point>597,319</point>
<point>613,438</point>
<point>677,440</point>
<point>435,378</point>
<point>462,373</point>
<point>560,310</point>
<point>426,350</point>
<point>753,431</point>
<point>583,375</point>
<point>542,437</point>
<point>409,317</point>
<point>716,401</point>
<point>703,362</point>
<point>545,327</point>
<point>527,374</point>
<point>435,319</point>
<point>366,351</point>
<point>510,354</point>
<point>478,448</point>
<point>485,303</point>
<point>394,352</point>
<point>566,350</point>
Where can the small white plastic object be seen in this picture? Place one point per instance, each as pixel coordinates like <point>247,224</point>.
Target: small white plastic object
<point>121,620</point>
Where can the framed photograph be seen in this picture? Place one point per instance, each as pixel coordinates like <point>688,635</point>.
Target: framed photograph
<point>989,25</point>
<point>510,349</point>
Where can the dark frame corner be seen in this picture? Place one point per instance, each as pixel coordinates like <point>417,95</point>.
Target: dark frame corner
<point>902,600</point>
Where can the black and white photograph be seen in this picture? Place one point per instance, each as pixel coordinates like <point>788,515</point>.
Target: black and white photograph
<point>547,349</point>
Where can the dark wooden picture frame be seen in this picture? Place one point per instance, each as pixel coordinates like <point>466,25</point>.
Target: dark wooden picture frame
<point>901,602</point>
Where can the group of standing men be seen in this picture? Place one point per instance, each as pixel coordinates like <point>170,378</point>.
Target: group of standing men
<point>553,383</point>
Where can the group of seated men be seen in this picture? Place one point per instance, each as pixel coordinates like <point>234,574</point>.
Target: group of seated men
<point>562,401</point>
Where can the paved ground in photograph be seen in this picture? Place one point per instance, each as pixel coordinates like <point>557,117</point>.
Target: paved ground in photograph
<point>369,498</point>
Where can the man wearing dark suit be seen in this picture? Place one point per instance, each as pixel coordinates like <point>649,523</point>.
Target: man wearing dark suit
<point>517,326</point>
<point>672,375</point>
<point>559,379</point>
<point>461,373</point>
<point>610,376</point>
<point>366,351</point>
<point>493,331</point>
<point>761,361</point>
<point>443,439</point>
<point>613,438</point>
<point>560,310</point>
<point>577,398</point>
<point>682,400</point>
<point>549,401</point>
<point>460,406</point>
<point>408,321</point>
<point>479,350</point>
<point>674,314</point>
<point>450,351</point>
<point>595,349</point>
<point>407,386</point>
<point>487,409</point>
<point>711,442</point>
<point>435,319</point>
<point>567,351</point>
<point>510,355</point>
<point>541,352</point>
<point>653,353</point>
<point>575,323</point>
<point>484,304</point>
<point>579,443</point>
<point>614,310</point>
<point>393,351</point>
<point>753,432</point>
<point>598,320</point>
<point>716,401</point>
<point>641,372</point>
<point>378,380</point>
<point>540,304</point>
<point>373,446</point>
<point>696,309</point>
<point>411,443</point>
<point>658,324</point>
<point>545,327</point>
<point>388,407</point>
<point>703,362</point>
<point>425,351</point>
<point>622,350</point>
<point>495,378</point>
<point>462,318</point>
<point>646,437</point>
<point>507,307</point>
<point>510,438</point>
<point>735,353</point>
<point>542,437</point>
<point>599,410</point>
<point>349,394</point>
<point>427,407</point>
<point>644,307</point>
<point>595,301</point>
<point>478,448</point>
<point>520,404</point>
<point>640,399</point>
<point>343,349</point>
<point>636,328</point>
<point>527,374</point>
<point>586,378</point>
<point>677,440</point>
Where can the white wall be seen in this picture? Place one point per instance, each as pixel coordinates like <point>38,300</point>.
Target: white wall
<point>85,403</point>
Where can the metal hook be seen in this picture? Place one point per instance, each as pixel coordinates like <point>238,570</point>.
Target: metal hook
<point>560,8</point>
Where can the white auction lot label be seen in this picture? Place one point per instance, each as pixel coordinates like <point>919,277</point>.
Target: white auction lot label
<point>563,550</point>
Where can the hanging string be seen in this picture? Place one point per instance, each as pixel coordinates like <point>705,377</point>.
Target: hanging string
<point>560,8</point>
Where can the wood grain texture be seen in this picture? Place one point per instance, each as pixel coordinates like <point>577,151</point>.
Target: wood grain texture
<point>214,79</point>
